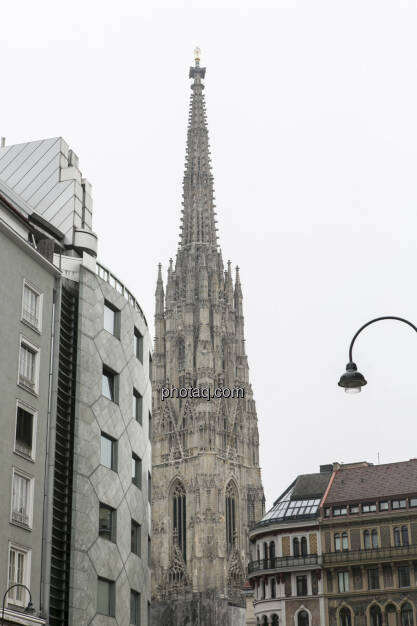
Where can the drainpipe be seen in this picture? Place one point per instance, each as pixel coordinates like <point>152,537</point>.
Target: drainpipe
<point>50,452</point>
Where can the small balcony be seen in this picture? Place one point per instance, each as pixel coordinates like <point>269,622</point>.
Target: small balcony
<point>371,555</point>
<point>284,563</point>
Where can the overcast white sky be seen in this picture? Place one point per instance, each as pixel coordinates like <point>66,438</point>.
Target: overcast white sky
<point>312,110</point>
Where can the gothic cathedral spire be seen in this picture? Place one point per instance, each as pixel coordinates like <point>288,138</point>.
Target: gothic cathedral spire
<point>207,489</point>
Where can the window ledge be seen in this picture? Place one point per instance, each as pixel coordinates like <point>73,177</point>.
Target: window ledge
<point>21,525</point>
<point>26,322</point>
<point>109,399</point>
<point>29,458</point>
<point>32,392</point>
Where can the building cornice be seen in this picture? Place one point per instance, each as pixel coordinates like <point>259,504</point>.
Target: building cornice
<point>30,250</point>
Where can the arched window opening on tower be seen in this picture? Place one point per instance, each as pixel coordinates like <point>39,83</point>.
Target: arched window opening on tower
<point>181,354</point>
<point>224,355</point>
<point>275,620</point>
<point>231,513</point>
<point>302,619</point>
<point>179,518</point>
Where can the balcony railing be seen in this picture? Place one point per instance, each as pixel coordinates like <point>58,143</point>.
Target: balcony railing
<point>372,554</point>
<point>110,278</point>
<point>284,562</point>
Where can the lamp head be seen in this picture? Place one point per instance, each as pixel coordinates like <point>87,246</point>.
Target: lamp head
<point>352,381</point>
<point>30,609</point>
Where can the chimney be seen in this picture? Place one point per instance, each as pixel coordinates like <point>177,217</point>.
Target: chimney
<point>2,142</point>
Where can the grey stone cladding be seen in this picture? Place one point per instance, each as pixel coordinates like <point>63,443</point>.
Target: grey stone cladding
<point>93,556</point>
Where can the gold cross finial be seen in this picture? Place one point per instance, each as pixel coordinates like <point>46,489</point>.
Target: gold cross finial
<point>197,53</point>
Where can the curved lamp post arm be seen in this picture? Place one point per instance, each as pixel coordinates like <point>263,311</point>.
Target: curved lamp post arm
<point>5,595</point>
<point>377,319</point>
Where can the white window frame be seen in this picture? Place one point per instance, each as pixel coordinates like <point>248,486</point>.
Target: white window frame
<point>38,326</point>
<point>34,413</point>
<point>24,340</point>
<point>31,490</point>
<point>26,572</point>
<point>294,583</point>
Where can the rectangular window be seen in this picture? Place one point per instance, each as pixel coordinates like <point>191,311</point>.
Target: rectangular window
<point>369,508</point>
<point>413,501</point>
<point>31,306</point>
<point>107,522</point>
<point>134,608</point>
<point>150,366</point>
<point>136,471</point>
<point>399,504</point>
<point>149,551</point>
<point>149,487</point>
<point>108,456</point>
<point>135,538</point>
<point>138,345</point>
<point>301,585</point>
<point>21,499</point>
<point>28,366</point>
<point>24,432</point>
<point>383,506</point>
<point>404,576</point>
<point>327,511</point>
<point>108,386</point>
<point>343,580</point>
<point>354,508</point>
<point>339,510</point>
<point>137,406</point>
<point>150,426</point>
<point>373,578</point>
<point>105,597</point>
<point>111,318</point>
<point>19,566</point>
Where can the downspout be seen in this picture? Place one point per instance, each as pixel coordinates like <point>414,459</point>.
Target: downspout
<point>50,452</point>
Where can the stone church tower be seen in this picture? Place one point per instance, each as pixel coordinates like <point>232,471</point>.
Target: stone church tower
<point>207,489</point>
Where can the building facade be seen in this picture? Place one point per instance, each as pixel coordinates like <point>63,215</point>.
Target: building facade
<point>369,538</point>
<point>76,406</point>
<point>27,290</point>
<point>285,570</point>
<point>207,483</point>
<point>339,548</point>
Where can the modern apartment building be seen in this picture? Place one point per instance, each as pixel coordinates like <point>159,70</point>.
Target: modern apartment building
<point>75,406</point>
<point>285,566</point>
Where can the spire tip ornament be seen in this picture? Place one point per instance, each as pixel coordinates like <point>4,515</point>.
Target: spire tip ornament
<point>197,54</point>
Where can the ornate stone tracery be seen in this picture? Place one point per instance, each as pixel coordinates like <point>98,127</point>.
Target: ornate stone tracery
<point>205,452</point>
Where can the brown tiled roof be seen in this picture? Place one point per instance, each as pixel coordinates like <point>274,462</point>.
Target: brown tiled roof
<point>373,482</point>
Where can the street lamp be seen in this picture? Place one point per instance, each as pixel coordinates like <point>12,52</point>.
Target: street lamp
<point>28,609</point>
<point>352,381</point>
